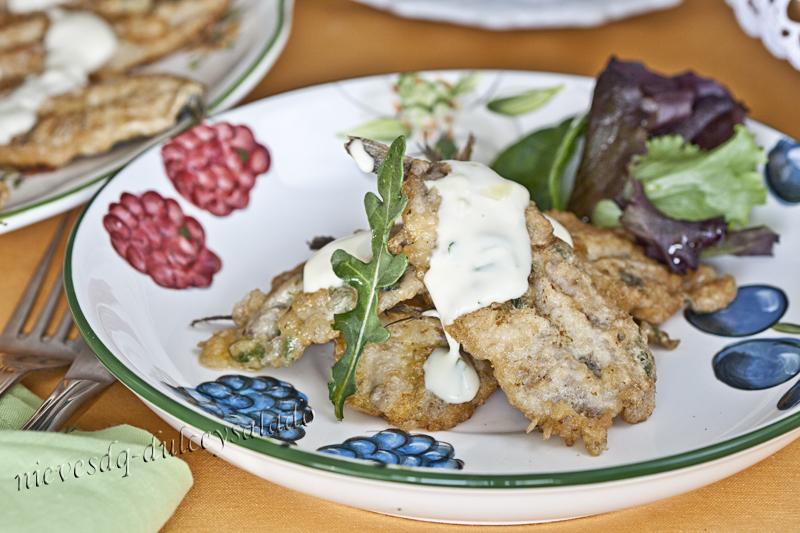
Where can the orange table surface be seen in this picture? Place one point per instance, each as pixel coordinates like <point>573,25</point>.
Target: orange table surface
<point>337,39</point>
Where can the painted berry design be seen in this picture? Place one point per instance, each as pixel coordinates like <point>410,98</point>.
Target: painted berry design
<point>154,236</point>
<point>215,166</point>
<point>396,447</point>
<point>268,406</point>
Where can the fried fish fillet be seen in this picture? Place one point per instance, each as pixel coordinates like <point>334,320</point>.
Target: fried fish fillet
<point>390,379</point>
<point>642,286</point>
<point>564,354</point>
<point>168,26</point>
<point>93,120</point>
<point>274,329</point>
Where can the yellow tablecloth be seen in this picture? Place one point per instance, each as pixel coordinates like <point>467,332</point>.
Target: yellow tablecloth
<point>335,39</point>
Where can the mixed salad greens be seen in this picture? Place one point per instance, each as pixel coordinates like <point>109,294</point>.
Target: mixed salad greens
<point>667,158</point>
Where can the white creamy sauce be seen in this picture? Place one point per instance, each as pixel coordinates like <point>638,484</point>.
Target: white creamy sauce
<point>483,252</point>
<point>76,44</point>
<point>482,255</point>
<point>447,374</point>
<point>363,160</point>
<point>318,272</point>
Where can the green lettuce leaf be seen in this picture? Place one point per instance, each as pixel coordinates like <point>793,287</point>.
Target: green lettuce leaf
<point>687,183</point>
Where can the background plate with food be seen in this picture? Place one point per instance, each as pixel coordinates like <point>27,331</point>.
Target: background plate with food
<point>519,14</point>
<point>619,362</point>
<point>74,110</point>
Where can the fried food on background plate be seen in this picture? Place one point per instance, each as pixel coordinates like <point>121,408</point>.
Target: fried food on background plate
<point>21,49</point>
<point>642,286</point>
<point>115,8</point>
<point>21,30</point>
<point>145,36</point>
<point>93,120</point>
<point>390,379</point>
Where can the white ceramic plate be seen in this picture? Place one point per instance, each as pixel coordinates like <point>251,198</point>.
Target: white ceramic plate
<point>229,74</point>
<point>521,14</point>
<point>702,430</point>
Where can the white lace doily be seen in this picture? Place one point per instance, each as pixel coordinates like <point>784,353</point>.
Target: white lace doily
<point>770,21</point>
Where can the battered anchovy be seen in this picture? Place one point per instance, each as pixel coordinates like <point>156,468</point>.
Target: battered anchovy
<point>274,328</point>
<point>645,288</point>
<point>390,379</point>
<point>564,354</point>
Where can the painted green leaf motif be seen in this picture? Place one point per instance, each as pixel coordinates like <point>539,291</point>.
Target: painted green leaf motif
<point>526,102</point>
<point>361,325</point>
<point>787,327</point>
<point>381,129</point>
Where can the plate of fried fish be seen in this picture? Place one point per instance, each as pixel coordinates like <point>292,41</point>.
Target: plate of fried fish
<point>478,297</point>
<point>86,85</point>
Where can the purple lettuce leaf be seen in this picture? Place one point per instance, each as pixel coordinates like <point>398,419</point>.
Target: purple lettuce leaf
<point>680,244</point>
<point>630,105</point>
<point>758,240</point>
<point>676,243</point>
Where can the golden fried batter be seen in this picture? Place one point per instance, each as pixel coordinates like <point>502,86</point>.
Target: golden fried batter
<point>390,378</point>
<point>274,329</point>
<point>645,288</point>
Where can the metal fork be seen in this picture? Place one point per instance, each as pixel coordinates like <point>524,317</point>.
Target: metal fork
<point>21,353</point>
<point>85,379</point>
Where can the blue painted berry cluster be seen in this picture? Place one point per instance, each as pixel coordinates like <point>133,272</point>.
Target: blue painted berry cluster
<point>396,447</point>
<point>271,407</point>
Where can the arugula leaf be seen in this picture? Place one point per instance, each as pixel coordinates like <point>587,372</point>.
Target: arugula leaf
<point>525,102</point>
<point>538,161</point>
<point>361,325</point>
<point>686,183</point>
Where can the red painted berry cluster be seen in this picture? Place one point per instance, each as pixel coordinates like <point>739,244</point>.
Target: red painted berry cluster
<point>215,166</point>
<point>156,238</point>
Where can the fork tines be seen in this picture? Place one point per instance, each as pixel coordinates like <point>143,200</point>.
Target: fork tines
<point>36,342</point>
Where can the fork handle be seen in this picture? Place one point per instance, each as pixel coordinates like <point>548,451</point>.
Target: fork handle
<point>65,401</point>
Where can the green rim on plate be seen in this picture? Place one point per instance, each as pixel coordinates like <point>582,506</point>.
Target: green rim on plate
<point>213,106</point>
<point>432,477</point>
